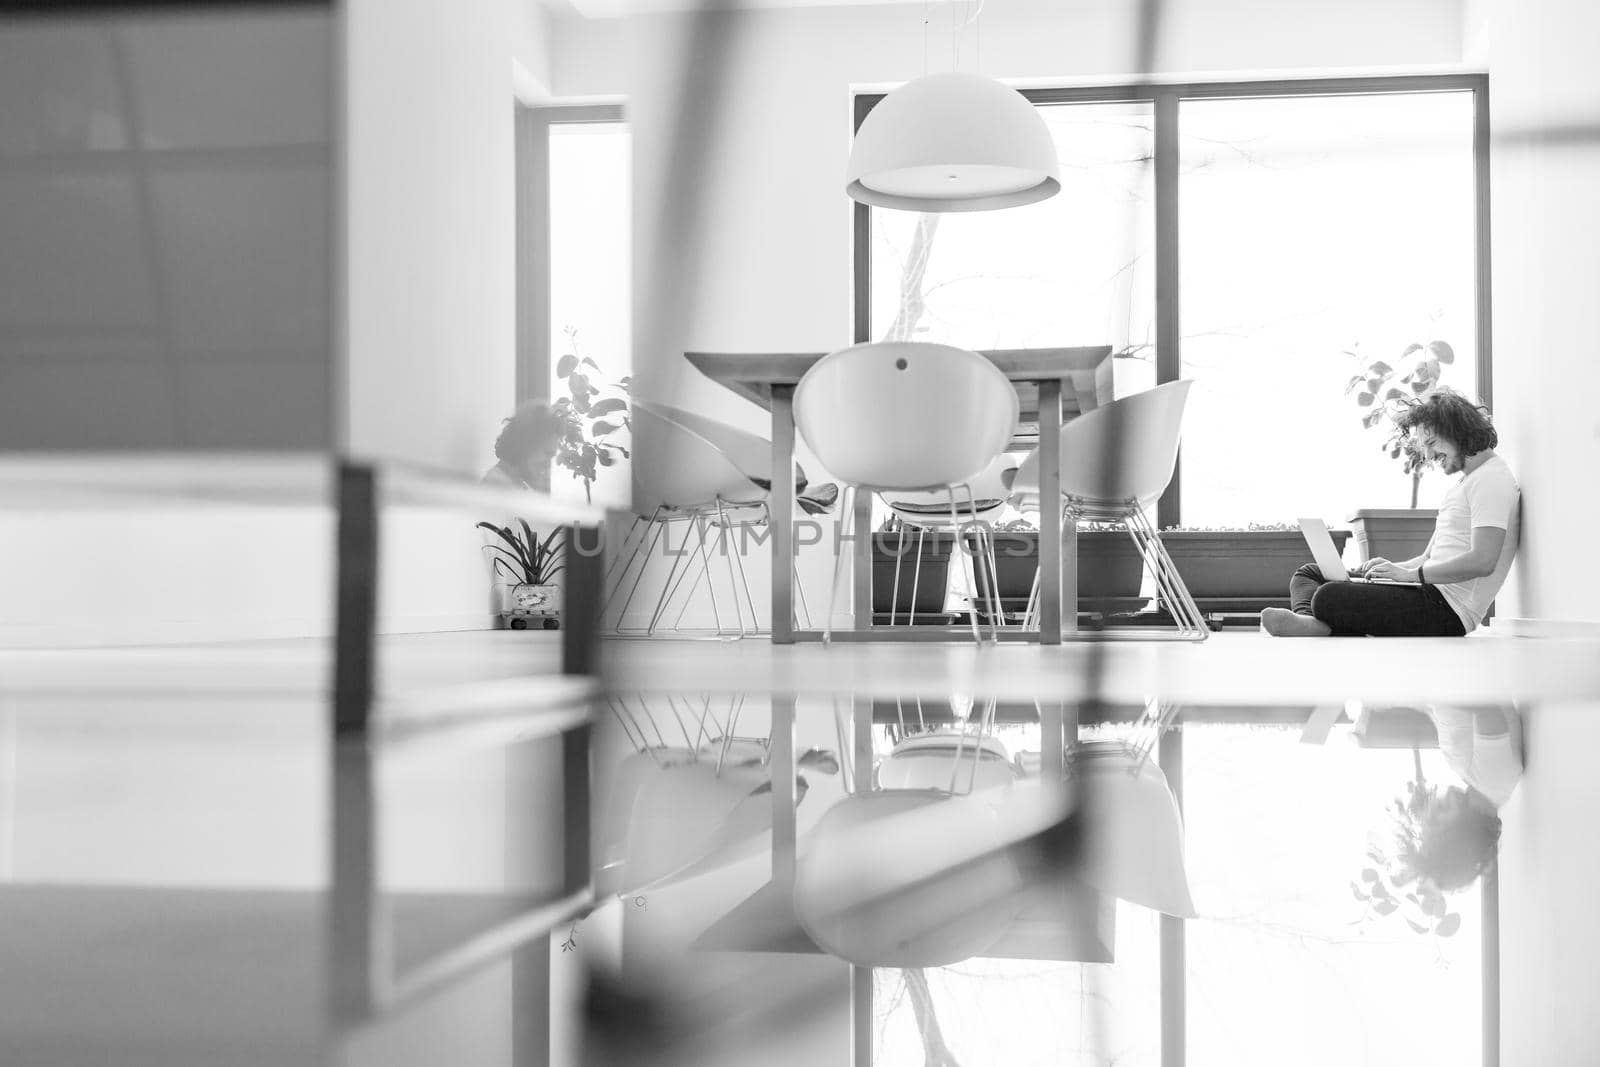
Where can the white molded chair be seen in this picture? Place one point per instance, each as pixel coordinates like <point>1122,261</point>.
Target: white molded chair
<point>1116,461</point>
<point>680,476</point>
<point>750,452</point>
<point>905,416</point>
<point>752,455</point>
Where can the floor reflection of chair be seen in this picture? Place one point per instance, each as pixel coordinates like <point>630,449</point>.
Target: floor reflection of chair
<point>674,809</point>
<point>1130,843</point>
<point>1116,461</point>
<point>905,416</point>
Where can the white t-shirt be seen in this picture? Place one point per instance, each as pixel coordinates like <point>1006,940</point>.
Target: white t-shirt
<point>1487,757</point>
<point>1489,496</point>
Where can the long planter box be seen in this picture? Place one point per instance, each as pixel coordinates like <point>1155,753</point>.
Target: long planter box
<point>1237,564</point>
<point>1108,565</point>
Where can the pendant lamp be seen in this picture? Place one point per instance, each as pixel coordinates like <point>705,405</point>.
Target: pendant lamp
<point>952,141</point>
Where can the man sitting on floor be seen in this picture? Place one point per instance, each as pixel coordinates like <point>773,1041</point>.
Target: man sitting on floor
<point>1465,563</point>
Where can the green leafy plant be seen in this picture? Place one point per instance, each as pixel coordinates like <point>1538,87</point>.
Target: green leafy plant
<point>592,413</point>
<point>1381,388</point>
<point>522,557</point>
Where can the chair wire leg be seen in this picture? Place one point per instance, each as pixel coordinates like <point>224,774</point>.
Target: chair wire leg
<point>1184,609</point>
<point>671,588</point>
<point>838,562</point>
<point>1185,613</point>
<point>990,591</point>
<point>1198,620</point>
<point>611,569</point>
<point>658,529</point>
<point>894,595</point>
<point>702,522</point>
<point>1152,563</point>
<point>703,572</point>
<point>955,550</point>
<point>674,579</point>
<point>916,572</point>
<point>723,534</point>
<point>738,558</point>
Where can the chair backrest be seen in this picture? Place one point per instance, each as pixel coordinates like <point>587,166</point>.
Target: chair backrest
<point>677,468</point>
<point>750,452</point>
<point>1124,450</point>
<point>905,414</point>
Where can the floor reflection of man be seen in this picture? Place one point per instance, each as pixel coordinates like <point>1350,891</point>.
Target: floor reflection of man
<point>1447,836</point>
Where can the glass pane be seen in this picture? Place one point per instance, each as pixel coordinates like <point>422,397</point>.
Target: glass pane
<point>1318,235</point>
<point>1284,964</point>
<point>590,275</point>
<point>1076,269</point>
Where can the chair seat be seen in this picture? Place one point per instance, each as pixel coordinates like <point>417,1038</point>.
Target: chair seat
<point>936,510</point>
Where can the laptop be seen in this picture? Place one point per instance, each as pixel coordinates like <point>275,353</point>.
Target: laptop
<point>1326,555</point>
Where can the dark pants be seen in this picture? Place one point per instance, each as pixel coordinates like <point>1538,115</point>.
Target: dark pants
<point>1354,609</point>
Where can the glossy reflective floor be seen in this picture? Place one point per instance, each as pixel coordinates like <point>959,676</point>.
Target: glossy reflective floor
<point>798,854</point>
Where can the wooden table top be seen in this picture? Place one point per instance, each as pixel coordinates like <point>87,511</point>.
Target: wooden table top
<point>1085,371</point>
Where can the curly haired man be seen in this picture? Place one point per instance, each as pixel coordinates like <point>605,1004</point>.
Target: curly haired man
<point>1466,561</point>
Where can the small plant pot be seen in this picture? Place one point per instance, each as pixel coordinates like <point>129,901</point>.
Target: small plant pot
<point>1393,533</point>
<point>531,607</point>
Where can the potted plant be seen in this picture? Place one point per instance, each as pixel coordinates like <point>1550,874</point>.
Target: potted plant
<point>531,596</point>
<point>592,414</point>
<point>1379,388</point>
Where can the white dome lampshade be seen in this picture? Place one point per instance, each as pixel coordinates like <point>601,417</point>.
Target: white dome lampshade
<point>952,142</point>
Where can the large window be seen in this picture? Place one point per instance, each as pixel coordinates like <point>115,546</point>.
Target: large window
<point>1077,268</point>
<point>1315,227</point>
<point>576,258</point>
<point>1318,234</point>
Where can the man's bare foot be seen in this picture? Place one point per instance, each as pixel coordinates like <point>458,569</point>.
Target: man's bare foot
<point>1281,622</point>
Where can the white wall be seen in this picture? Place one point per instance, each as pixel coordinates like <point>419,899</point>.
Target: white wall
<point>430,229</point>
<point>1545,98</point>
<point>427,212</point>
<point>1549,868</point>
<point>775,248</point>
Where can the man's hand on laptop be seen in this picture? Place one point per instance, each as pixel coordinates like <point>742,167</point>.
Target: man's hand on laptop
<point>1383,569</point>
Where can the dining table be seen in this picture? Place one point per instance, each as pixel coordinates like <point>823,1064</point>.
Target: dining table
<point>1053,385</point>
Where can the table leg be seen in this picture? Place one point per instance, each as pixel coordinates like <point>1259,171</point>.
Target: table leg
<point>861,558</point>
<point>1051,619</point>
<point>781,766</point>
<point>782,501</point>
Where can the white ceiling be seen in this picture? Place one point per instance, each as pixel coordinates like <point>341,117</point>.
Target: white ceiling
<point>608,9</point>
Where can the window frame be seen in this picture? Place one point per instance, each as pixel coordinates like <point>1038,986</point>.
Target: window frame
<point>1167,98</point>
<point>533,234</point>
